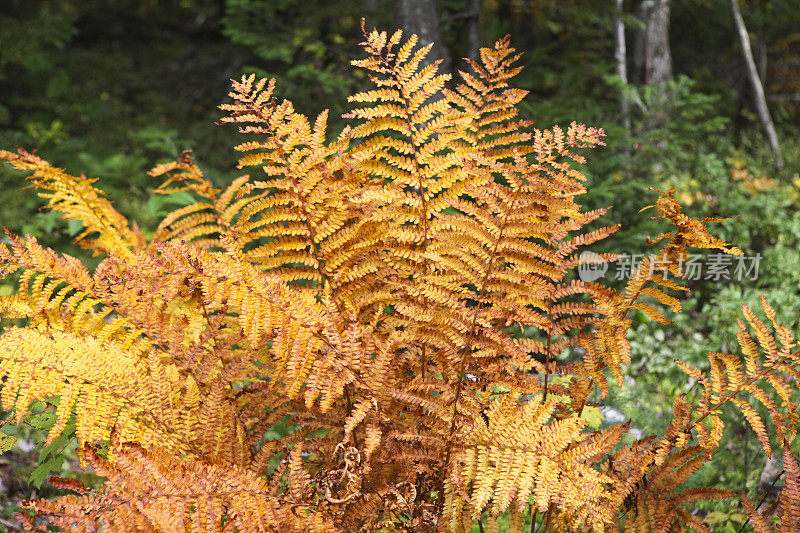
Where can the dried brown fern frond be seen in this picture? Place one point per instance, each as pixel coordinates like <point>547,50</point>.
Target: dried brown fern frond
<point>788,501</point>
<point>154,490</point>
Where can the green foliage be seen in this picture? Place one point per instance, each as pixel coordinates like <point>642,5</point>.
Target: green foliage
<point>307,56</point>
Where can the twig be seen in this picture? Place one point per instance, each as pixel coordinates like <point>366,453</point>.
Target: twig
<point>767,493</point>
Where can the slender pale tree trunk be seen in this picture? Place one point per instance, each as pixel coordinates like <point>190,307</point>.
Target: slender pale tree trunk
<point>653,57</point>
<point>622,66</point>
<point>755,82</point>
<point>421,17</point>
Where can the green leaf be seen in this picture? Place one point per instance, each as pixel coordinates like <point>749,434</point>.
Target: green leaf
<point>43,420</point>
<point>51,457</point>
<point>57,446</point>
<point>593,416</point>
<point>162,204</point>
<point>7,442</point>
<point>42,471</point>
<point>58,84</point>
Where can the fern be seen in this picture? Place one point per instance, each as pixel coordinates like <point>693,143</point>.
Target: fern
<point>369,291</point>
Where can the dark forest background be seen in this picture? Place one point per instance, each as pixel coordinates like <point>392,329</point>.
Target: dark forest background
<point>110,88</point>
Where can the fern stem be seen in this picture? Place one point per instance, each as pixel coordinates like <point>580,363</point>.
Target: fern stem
<point>766,493</point>
<point>549,515</point>
<point>547,365</point>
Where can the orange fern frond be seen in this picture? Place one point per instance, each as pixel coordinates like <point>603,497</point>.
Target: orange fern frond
<point>157,491</point>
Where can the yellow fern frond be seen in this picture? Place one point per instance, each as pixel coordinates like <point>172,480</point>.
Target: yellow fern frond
<point>77,199</point>
<point>532,457</point>
<point>86,372</point>
<point>726,379</point>
<point>202,223</point>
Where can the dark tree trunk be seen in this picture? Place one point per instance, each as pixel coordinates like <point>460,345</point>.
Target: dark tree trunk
<point>369,8</point>
<point>473,28</point>
<point>421,17</point>
<point>653,59</point>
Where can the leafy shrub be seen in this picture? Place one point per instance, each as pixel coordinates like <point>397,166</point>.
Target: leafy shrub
<point>394,330</point>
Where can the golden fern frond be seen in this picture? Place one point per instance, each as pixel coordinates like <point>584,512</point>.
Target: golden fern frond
<point>461,247</point>
<point>58,290</point>
<point>770,365</point>
<point>110,390</point>
<point>77,199</point>
<point>408,139</point>
<point>491,104</point>
<point>201,223</point>
<point>535,456</point>
<point>303,223</point>
<point>154,490</point>
<point>688,232</point>
<point>188,177</point>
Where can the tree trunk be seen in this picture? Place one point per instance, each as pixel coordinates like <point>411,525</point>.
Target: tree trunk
<point>755,82</point>
<point>622,64</point>
<point>769,473</point>
<point>761,54</point>
<point>473,29</point>
<point>653,61</point>
<point>653,57</point>
<point>421,17</point>
<point>369,8</point>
